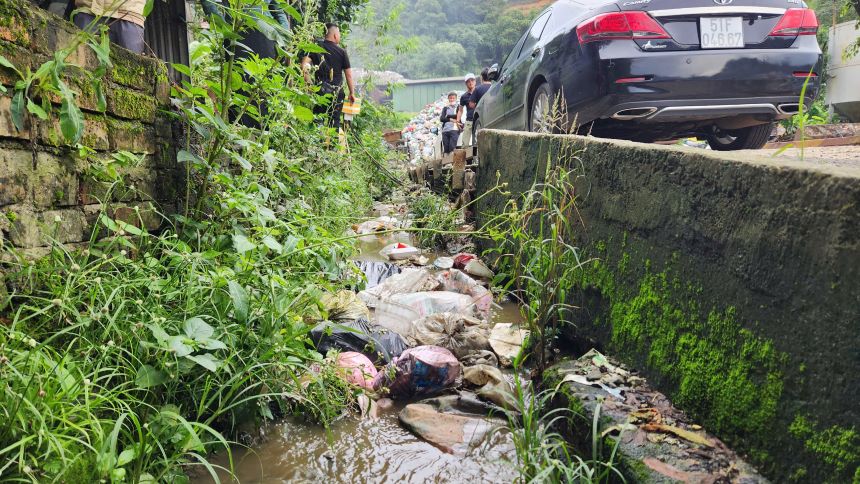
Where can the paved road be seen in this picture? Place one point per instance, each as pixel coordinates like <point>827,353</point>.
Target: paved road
<point>848,156</point>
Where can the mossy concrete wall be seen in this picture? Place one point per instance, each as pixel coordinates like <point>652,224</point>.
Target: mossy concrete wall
<point>732,281</point>
<point>47,191</point>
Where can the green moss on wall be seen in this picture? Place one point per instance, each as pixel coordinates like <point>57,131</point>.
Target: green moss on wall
<point>133,105</point>
<point>724,375</point>
<point>836,446</point>
<point>13,23</point>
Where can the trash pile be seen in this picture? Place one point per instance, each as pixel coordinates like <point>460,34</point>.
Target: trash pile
<point>422,134</point>
<point>421,333</point>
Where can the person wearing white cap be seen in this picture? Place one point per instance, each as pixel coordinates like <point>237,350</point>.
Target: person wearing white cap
<point>464,106</point>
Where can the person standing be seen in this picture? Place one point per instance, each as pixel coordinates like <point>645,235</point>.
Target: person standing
<point>464,105</point>
<point>477,94</point>
<point>332,66</point>
<point>124,19</point>
<point>450,124</point>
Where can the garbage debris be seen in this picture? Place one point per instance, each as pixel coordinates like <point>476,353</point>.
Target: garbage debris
<point>443,263</point>
<point>420,371</point>
<point>399,251</point>
<point>507,341</point>
<point>479,269</point>
<point>400,311</point>
<point>357,369</point>
<point>377,272</point>
<point>419,260</point>
<point>421,135</point>
<point>480,358</point>
<point>461,260</point>
<point>452,433</point>
<point>494,387</point>
<point>461,334</point>
<point>371,228</point>
<point>408,281</point>
<point>344,305</point>
<point>380,345</point>
<point>456,281</point>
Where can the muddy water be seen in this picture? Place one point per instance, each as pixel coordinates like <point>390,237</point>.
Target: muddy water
<point>365,451</point>
<point>369,451</point>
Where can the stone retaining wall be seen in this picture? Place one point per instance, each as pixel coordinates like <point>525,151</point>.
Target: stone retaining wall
<point>732,282</point>
<point>46,191</point>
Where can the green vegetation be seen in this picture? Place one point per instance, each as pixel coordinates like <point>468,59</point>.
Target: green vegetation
<point>438,38</point>
<point>134,358</point>
<point>838,447</point>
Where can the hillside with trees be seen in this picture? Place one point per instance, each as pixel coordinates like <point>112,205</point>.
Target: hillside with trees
<point>438,38</point>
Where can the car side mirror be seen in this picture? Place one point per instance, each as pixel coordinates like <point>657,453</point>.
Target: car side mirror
<point>493,73</point>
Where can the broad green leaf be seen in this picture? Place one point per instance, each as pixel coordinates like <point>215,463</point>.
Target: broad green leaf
<point>148,377</point>
<point>182,69</point>
<point>109,223</point>
<point>129,228</point>
<point>100,95</point>
<point>147,7</point>
<point>303,114</point>
<point>213,344</point>
<point>117,475</point>
<point>146,478</point>
<point>242,244</point>
<point>36,110</point>
<point>159,333</point>
<point>240,299</point>
<point>292,12</point>
<point>2,89</point>
<point>206,360</point>
<point>71,119</point>
<point>245,164</point>
<point>311,48</point>
<point>18,110</point>
<point>6,63</point>
<point>197,329</point>
<point>126,456</point>
<point>186,156</point>
<point>177,345</point>
<point>273,244</point>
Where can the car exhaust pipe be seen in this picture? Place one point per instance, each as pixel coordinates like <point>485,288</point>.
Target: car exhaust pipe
<point>633,113</point>
<point>790,108</point>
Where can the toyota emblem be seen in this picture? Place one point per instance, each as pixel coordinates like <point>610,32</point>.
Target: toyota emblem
<point>723,2</point>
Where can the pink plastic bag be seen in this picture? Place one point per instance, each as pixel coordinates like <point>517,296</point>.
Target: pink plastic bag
<point>357,368</point>
<point>419,372</point>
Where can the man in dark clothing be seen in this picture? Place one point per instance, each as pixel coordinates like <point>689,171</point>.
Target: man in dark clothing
<point>332,67</point>
<point>464,99</point>
<point>482,89</point>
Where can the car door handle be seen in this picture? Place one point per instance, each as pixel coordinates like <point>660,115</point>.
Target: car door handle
<point>535,52</point>
<point>504,78</point>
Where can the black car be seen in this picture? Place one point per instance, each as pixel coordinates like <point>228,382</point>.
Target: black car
<point>651,70</point>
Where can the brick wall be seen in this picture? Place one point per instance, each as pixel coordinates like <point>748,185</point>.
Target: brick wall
<point>45,190</point>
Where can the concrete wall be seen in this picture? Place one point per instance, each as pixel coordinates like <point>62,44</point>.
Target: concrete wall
<point>732,282</point>
<point>46,190</point>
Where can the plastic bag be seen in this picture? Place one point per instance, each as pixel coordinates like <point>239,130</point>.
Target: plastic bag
<point>461,260</point>
<point>344,305</point>
<point>408,281</point>
<point>419,372</point>
<point>457,281</point>
<point>357,369</point>
<point>461,334</point>
<point>378,344</point>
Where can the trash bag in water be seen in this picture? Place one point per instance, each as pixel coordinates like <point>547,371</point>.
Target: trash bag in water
<point>457,281</point>
<point>400,311</point>
<point>357,369</point>
<point>408,281</point>
<point>459,333</point>
<point>419,372</point>
<point>378,344</point>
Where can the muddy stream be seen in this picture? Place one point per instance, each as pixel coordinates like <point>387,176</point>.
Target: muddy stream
<point>371,451</point>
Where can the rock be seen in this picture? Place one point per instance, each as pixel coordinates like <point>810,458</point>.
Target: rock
<point>480,375</point>
<point>494,387</point>
<point>507,341</point>
<point>477,268</point>
<point>455,434</point>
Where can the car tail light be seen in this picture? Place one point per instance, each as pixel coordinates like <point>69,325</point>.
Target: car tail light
<point>796,21</point>
<point>804,74</point>
<point>620,25</point>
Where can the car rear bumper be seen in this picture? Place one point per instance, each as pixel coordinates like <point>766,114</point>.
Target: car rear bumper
<point>680,86</point>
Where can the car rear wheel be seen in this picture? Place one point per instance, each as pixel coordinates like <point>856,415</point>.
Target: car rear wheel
<point>751,138</point>
<point>540,114</point>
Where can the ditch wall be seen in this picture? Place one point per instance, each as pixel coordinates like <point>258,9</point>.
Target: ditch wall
<point>48,192</point>
<point>731,281</point>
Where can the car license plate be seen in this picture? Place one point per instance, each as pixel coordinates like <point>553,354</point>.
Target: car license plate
<point>722,32</point>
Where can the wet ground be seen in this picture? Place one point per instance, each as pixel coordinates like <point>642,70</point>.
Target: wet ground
<point>367,451</point>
